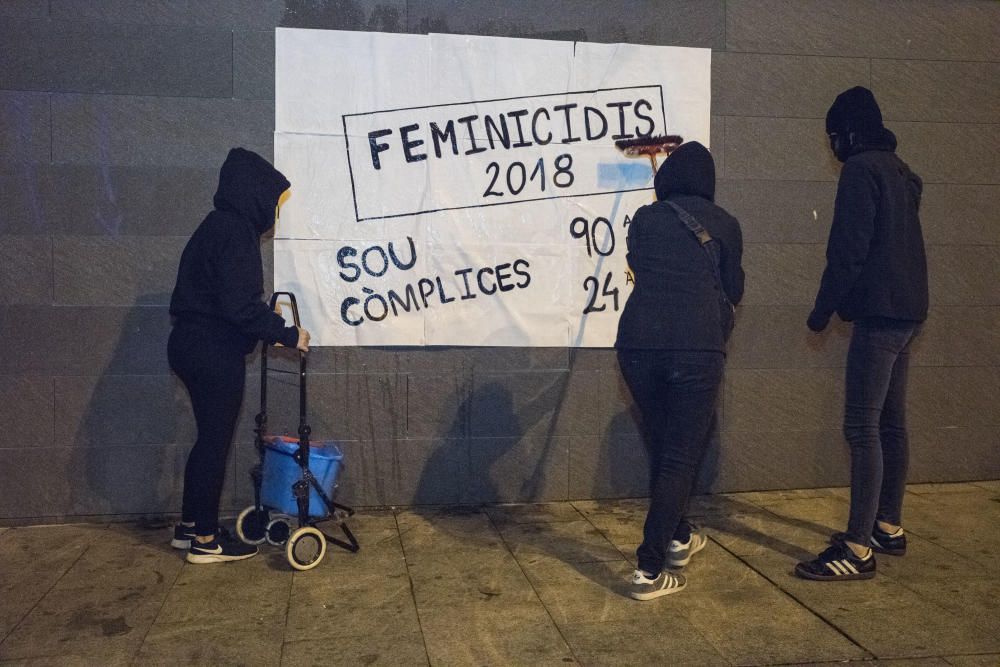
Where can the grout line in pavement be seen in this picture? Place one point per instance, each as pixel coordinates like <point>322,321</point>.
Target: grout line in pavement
<point>795,599</point>
<point>534,590</point>
<point>43,595</point>
<point>413,595</point>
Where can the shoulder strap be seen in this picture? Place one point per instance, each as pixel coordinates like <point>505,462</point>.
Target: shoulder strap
<point>706,241</point>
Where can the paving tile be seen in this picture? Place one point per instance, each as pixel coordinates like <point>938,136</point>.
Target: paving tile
<point>589,592</point>
<point>384,648</point>
<point>787,633</point>
<point>247,641</point>
<point>625,644</point>
<point>34,560</point>
<point>104,624</point>
<point>568,541</point>
<point>425,534</point>
<point>242,590</point>
<point>474,580</point>
<point>493,635</point>
<point>985,660</point>
<point>514,513</point>
<point>766,534</point>
<point>619,521</point>
<point>337,605</point>
<point>885,627</point>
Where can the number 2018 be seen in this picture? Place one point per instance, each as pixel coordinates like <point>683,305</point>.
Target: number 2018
<point>518,178</point>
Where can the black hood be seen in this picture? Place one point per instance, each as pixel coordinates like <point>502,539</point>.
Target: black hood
<point>689,170</point>
<point>250,187</point>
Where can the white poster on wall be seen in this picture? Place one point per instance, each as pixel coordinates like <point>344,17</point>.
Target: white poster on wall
<point>458,190</point>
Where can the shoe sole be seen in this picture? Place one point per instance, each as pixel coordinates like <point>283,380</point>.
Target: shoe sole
<point>180,544</point>
<point>681,562</point>
<point>657,594</point>
<point>804,574</point>
<point>204,559</point>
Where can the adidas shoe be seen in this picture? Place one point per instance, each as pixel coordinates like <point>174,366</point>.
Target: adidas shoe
<point>837,563</point>
<point>644,588</point>
<point>893,544</point>
<point>221,549</point>
<point>679,553</point>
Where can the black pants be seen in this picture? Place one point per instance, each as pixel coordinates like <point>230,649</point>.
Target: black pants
<point>214,374</point>
<point>875,423</point>
<point>676,392</point>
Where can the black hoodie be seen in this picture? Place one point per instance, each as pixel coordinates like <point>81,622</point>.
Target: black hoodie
<point>674,304</point>
<point>876,264</point>
<point>220,282</point>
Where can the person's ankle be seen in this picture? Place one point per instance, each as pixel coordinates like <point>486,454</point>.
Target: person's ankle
<point>204,539</point>
<point>888,527</point>
<point>858,550</point>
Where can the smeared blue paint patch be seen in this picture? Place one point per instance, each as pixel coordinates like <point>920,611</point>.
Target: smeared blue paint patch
<point>624,175</point>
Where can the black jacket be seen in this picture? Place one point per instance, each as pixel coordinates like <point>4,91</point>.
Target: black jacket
<point>220,282</point>
<point>876,266</point>
<point>674,304</point>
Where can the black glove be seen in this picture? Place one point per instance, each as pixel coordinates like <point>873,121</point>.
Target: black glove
<point>817,322</point>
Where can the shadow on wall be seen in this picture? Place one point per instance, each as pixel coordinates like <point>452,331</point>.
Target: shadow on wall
<point>135,425</point>
<point>453,472</point>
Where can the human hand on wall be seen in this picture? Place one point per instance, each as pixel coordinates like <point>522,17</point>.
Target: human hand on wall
<point>303,343</point>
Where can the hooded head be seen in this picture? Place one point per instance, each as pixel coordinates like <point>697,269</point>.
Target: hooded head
<point>854,122</point>
<point>250,187</point>
<point>690,170</point>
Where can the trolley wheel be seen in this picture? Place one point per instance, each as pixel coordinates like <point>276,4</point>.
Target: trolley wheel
<point>251,525</point>
<point>278,530</point>
<point>306,548</point>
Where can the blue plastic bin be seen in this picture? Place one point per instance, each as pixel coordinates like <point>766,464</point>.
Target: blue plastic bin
<point>280,472</point>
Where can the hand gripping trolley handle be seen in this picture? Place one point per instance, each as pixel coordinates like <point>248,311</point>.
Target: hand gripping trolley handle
<point>293,481</point>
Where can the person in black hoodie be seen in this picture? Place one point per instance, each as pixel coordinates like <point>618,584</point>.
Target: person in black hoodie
<point>219,316</point>
<point>876,275</point>
<point>671,348</point>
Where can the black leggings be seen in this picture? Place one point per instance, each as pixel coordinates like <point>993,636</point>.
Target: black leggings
<point>214,374</point>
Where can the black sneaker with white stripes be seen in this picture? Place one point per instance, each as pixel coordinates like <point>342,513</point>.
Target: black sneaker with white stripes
<point>183,534</point>
<point>837,563</point>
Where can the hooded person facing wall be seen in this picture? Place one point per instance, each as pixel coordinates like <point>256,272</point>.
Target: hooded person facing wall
<point>671,348</point>
<point>219,316</point>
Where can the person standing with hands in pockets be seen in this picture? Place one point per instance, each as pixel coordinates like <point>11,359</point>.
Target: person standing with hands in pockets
<point>876,276</point>
<point>219,317</point>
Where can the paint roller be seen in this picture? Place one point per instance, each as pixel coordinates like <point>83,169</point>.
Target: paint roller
<point>649,147</point>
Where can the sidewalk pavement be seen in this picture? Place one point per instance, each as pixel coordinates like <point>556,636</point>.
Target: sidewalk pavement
<point>517,585</point>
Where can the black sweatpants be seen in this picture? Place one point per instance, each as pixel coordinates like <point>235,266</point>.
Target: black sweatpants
<point>214,373</point>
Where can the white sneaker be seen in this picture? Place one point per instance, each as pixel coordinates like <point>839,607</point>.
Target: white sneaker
<point>679,554</point>
<point>644,588</point>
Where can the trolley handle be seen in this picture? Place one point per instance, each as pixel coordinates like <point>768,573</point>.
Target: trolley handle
<point>304,429</point>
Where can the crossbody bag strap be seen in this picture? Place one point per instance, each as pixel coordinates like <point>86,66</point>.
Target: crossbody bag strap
<point>705,241</point>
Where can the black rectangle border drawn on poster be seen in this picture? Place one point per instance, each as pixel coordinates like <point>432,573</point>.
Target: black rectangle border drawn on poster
<point>347,144</point>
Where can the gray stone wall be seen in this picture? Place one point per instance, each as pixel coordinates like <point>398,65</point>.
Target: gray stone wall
<point>115,116</point>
